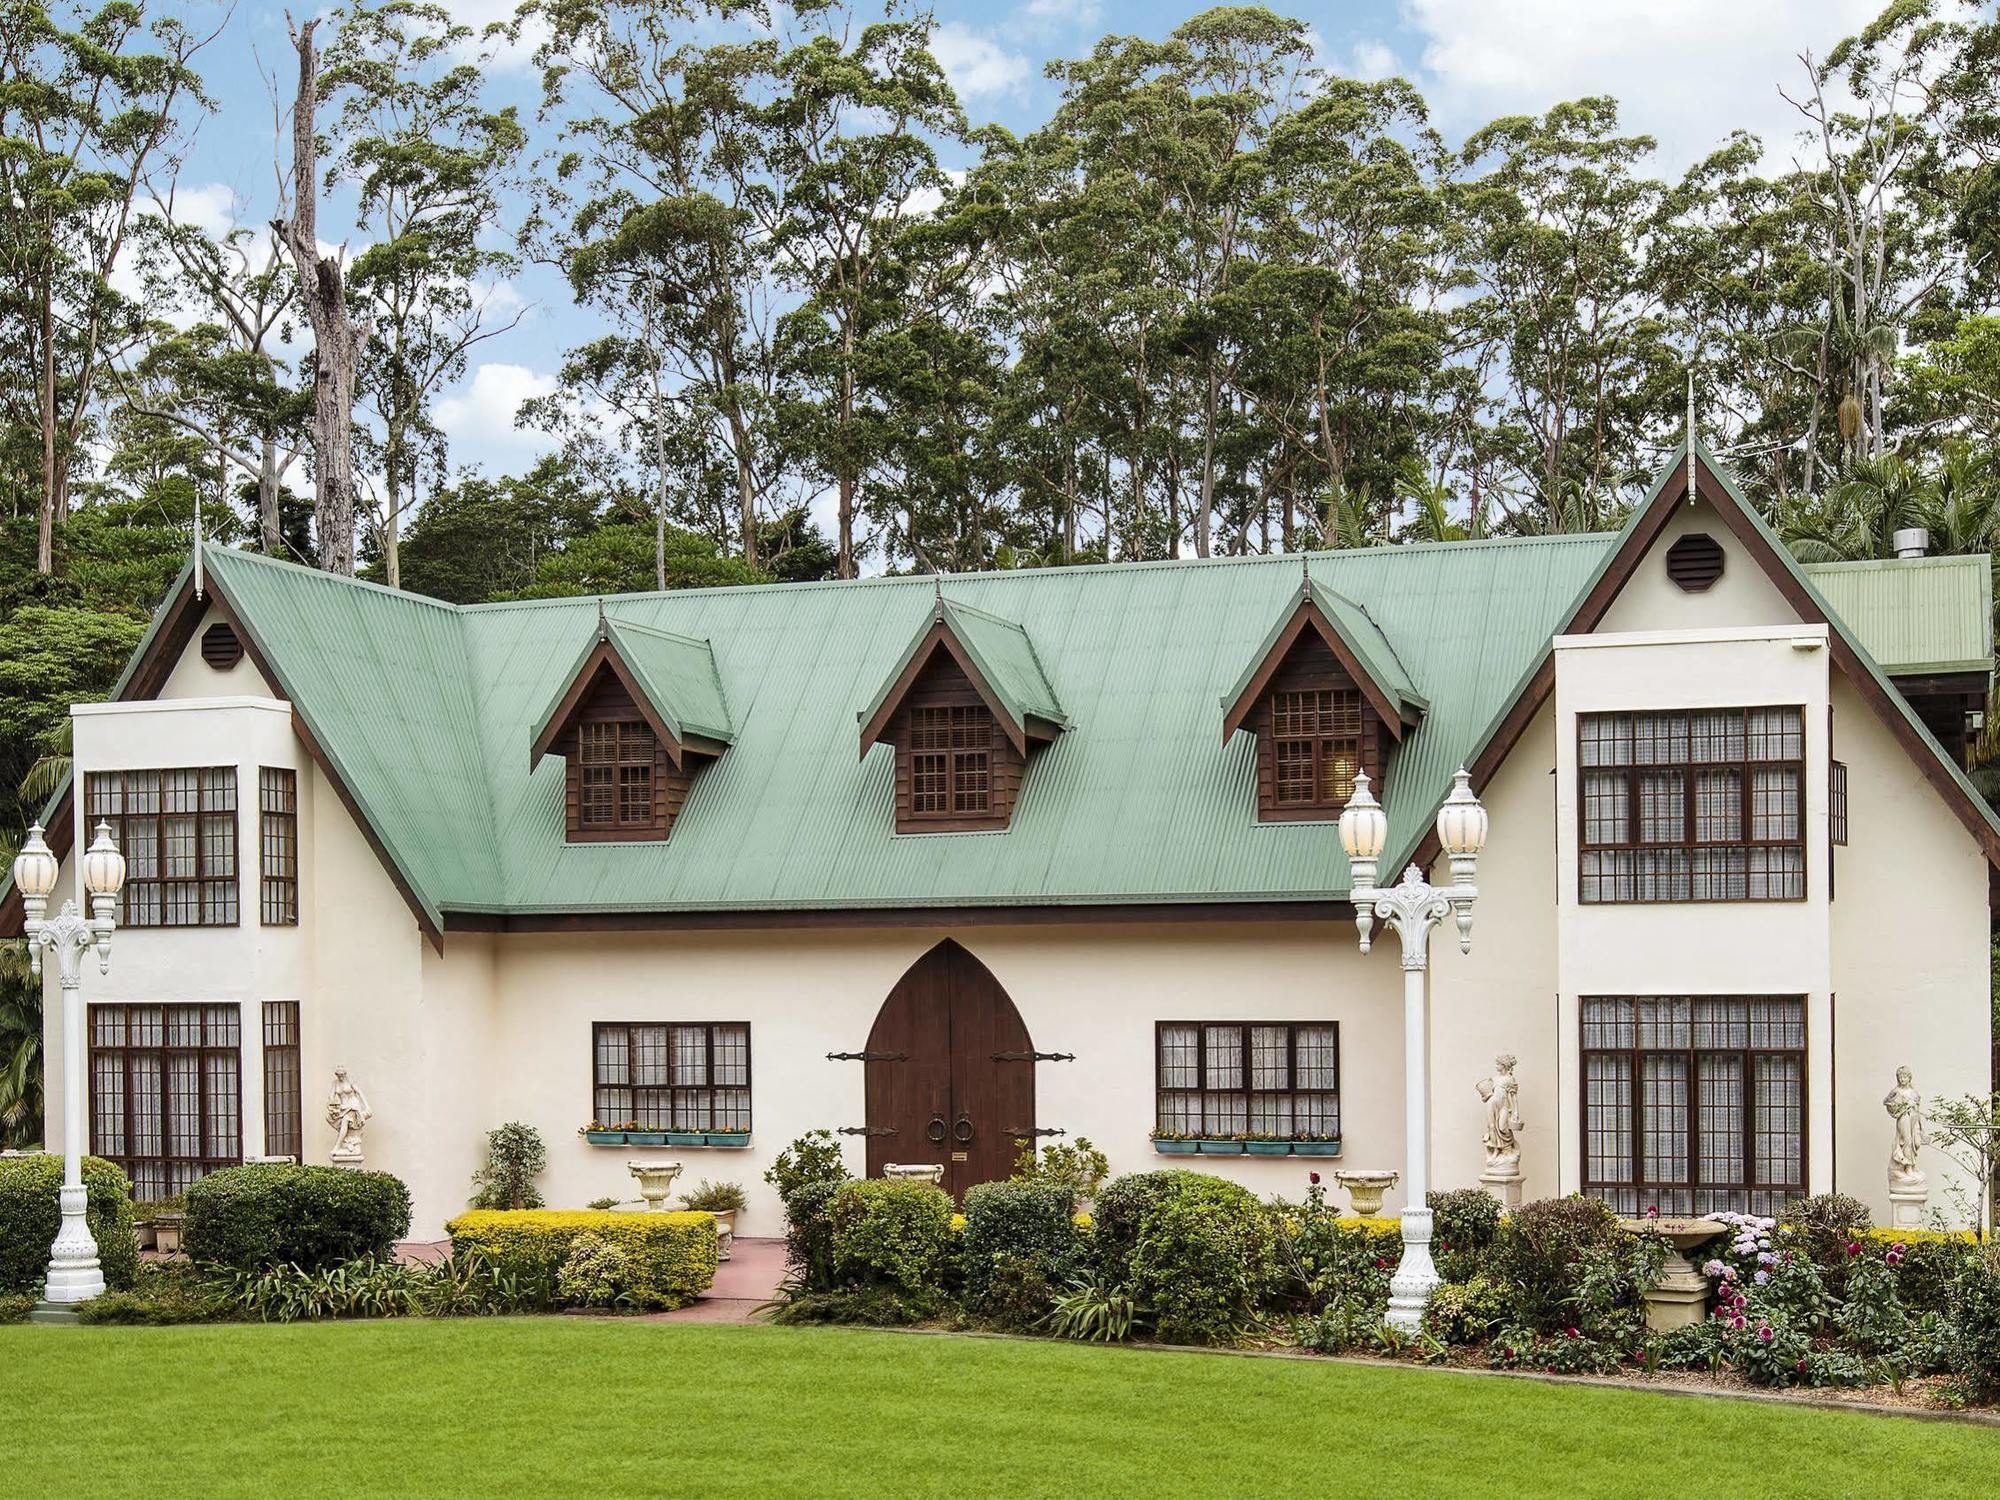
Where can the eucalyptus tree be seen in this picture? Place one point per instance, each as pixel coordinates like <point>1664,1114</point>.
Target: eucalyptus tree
<point>89,104</point>
<point>428,161</point>
<point>854,124</point>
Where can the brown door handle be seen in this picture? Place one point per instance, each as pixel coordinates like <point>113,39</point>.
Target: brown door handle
<point>962,1131</point>
<point>935,1130</point>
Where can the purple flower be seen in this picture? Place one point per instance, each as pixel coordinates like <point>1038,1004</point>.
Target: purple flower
<point>1762,1277</point>
<point>1738,1322</point>
<point>1801,1367</point>
<point>1714,1269</point>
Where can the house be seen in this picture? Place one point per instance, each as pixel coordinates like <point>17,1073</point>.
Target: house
<point>950,863</point>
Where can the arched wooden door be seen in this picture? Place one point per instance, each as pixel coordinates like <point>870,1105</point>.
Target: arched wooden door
<point>957,1085</point>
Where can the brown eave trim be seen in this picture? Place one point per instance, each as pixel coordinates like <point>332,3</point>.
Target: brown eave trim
<point>604,654</point>
<point>940,635</point>
<point>1152,912</point>
<point>1308,613</point>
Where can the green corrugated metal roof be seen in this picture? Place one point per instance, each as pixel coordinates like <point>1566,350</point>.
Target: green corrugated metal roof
<point>422,707</point>
<point>678,673</point>
<point>1363,638</point>
<point>999,648</point>
<point>1915,615</point>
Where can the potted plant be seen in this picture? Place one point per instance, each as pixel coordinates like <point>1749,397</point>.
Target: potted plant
<point>1174,1143</point>
<point>600,1134</point>
<point>1309,1144</point>
<point>727,1137</point>
<point>1222,1145</point>
<point>1267,1143</point>
<point>644,1135</point>
<point>723,1200</point>
<point>166,1216</point>
<point>684,1138</point>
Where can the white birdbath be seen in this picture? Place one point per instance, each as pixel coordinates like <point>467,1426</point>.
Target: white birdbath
<point>1365,1190</point>
<point>656,1181</point>
<point>1680,1297</point>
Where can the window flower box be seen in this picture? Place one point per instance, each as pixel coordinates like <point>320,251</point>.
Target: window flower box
<point>1323,1146</point>
<point>1174,1143</point>
<point>685,1138</point>
<point>647,1138</point>
<point>1268,1148</point>
<point>605,1137</point>
<point>1222,1148</point>
<point>737,1138</point>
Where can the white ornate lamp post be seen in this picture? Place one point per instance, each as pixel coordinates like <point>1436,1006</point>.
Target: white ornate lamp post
<point>1413,907</point>
<point>74,1275</point>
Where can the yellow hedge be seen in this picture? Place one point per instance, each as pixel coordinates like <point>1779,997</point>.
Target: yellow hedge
<point>671,1256</point>
<point>1924,1236</point>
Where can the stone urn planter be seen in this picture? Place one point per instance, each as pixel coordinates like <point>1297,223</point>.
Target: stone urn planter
<point>725,1231</point>
<point>1365,1190</point>
<point>656,1181</point>
<point>167,1234</point>
<point>1680,1297</point>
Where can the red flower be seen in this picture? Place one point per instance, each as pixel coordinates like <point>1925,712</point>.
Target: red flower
<point>1381,1265</point>
<point>1802,1367</point>
<point>1313,1178</point>
<point>1854,1247</point>
<point>1569,1333</point>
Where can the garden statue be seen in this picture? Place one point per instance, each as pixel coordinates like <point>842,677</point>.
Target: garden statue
<point>348,1113</point>
<point>1908,1187</point>
<point>1503,1147</point>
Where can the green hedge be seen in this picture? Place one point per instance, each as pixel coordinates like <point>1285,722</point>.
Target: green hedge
<point>1019,1248</point>
<point>892,1234</point>
<point>260,1217</point>
<point>669,1257</point>
<point>1196,1252</point>
<point>30,1215</point>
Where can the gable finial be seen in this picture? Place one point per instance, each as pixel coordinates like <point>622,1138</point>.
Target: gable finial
<point>1306,581</point>
<point>1690,437</point>
<point>937,594</point>
<point>603,625</point>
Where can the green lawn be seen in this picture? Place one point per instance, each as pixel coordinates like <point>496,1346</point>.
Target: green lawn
<point>559,1406</point>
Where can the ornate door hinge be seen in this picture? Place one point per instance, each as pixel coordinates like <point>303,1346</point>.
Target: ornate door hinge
<point>1034,1057</point>
<point>866,1130</point>
<point>868,1057</point>
<point>1027,1134</point>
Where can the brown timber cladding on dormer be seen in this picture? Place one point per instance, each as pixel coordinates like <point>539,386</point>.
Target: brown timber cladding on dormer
<point>609,704</point>
<point>944,686</point>
<point>1311,667</point>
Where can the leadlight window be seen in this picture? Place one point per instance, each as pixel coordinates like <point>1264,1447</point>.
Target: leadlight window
<point>1836,802</point>
<point>1694,1104</point>
<point>1707,805</point>
<point>284,1111</point>
<point>1316,747</point>
<point>177,831</point>
<point>166,1093</point>
<point>951,762</point>
<point>1223,1078</point>
<point>615,760</point>
<point>278,845</point>
<point>677,1075</point>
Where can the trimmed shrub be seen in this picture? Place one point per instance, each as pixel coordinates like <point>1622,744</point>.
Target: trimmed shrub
<point>30,1215</point>
<point>669,1257</point>
<point>1117,1215</point>
<point>806,1174</point>
<point>1018,1236</point>
<point>1972,1339</point>
<point>1464,1222</point>
<point>260,1217</point>
<point>1540,1253</point>
<point>1823,1226</point>
<point>515,1156</point>
<point>892,1234</point>
<point>1930,1262</point>
<point>164,1293</point>
<point>1201,1259</point>
<point>1465,1312</point>
<point>594,1273</point>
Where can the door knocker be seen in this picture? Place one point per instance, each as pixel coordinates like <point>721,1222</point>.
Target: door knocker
<point>935,1130</point>
<point>962,1131</point>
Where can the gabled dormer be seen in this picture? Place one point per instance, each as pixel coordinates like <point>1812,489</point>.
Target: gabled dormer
<point>1324,695</point>
<point>640,713</point>
<point>964,709</point>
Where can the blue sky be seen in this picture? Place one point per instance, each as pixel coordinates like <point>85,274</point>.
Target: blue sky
<point>1685,71</point>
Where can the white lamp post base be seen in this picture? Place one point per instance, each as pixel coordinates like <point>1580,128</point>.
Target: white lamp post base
<point>74,1273</point>
<point>1416,1275</point>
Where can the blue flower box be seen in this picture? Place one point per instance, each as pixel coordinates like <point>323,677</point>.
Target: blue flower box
<point>645,1138</point>
<point>1222,1148</point>
<point>1176,1148</point>
<point>727,1137</point>
<point>1268,1148</point>
<point>1316,1148</point>
<point>605,1137</point>
<point>686,1138</point>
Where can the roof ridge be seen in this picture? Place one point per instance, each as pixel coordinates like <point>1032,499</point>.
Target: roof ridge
<point>665,635</point>
<point>240,555</point>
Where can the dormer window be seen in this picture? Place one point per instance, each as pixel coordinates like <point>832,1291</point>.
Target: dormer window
<point>964,709</point>
<point>637,716</point>
<point>1323,696</point>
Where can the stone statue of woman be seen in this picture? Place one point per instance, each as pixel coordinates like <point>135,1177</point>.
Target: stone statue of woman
<point>1905,1107</point>
<point>1503,1146</point>
<point>348,1113</point>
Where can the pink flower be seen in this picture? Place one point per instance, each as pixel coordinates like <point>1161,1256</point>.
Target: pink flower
<point>1737,1322</point>
<point>1853,1247</point>
<point>1764,1332</point>
<point>1801,1367</point>
<point>1652,1210</point>
<point>1898,1248</point>
<point>1569,1333</point>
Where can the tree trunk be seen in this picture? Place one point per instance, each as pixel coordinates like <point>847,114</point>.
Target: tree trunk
<point>337,340</point>
<point>267,495</point>
<point>45,515</point>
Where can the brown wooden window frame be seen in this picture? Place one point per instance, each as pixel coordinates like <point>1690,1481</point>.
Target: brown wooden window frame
<point>1341,728</point>
<point>170,1172</point>
<point>633,800</point>
<point>952,742</point>
<point>284,1103</point>
<point>1219,1104</point>
<point>1687,883</point>
<point>208,897</point>
<point>659,1105</point>
<point>1637,1193</point>
<point>278,846</point>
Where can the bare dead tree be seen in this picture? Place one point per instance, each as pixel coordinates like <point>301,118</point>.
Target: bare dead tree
<point>337,338</point>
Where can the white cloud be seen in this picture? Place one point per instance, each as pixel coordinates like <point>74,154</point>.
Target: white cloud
<point>1371,61</point>
<point>1042,15</point>
<point>478,417</point>
<point>1683,71</point>
<point>975,63</point>
<point>498,53</point>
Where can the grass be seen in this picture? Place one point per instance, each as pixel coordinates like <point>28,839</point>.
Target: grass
<point>559,1406</point>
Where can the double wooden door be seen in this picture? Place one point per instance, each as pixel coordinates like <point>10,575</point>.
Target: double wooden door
<point>950,1072</point>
